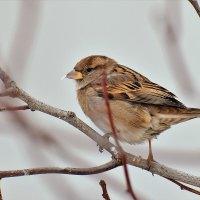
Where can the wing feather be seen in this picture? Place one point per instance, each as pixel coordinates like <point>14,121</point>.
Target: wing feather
<point>126,84</point>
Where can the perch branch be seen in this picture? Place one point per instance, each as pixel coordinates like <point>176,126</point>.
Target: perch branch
<point>71,118</point>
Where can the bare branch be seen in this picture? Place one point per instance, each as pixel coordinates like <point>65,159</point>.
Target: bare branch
<point>105,195</point>
<point>195,5</point>
<point>57,170</point>
<point>8,82</point>
<point>164,171</point>
<point>184,187</point>
<point>121,151</point>
<point>14,108</point>
<point>8,92</point>
<point>71,118</point>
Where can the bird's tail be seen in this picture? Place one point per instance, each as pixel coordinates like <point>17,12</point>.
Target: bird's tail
<point>195,112</point>
<point>190,113</point>
<point>173,116</point>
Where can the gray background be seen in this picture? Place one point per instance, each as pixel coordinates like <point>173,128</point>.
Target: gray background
<point>40,41</point>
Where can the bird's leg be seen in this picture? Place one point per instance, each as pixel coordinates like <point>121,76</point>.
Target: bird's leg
<point>106,136</point>
<point>150,156</point>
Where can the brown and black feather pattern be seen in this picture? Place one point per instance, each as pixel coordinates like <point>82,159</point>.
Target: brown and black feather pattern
<point>141,109</point>
<point>126,84</point>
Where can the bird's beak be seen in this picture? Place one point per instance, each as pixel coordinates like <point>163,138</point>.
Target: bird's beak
<point>74,75</point>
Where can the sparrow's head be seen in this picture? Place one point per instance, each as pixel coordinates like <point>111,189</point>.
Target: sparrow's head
<point>90,69</point>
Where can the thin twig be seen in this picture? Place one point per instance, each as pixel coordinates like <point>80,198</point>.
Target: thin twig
<point>7,92</point>
<point>57,170</point>
<point>184,187</point>
<point>105,195</point>
<point>14,108</point>
<point>122,153</point>
<point>195,5</point>
<point>8,82</point>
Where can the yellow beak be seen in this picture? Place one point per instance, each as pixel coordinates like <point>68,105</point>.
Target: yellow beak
<point>74,75</point>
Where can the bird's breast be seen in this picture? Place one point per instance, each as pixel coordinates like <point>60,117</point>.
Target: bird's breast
<point>131,121</point>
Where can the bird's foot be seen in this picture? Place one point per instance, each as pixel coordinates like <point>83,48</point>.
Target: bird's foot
<point>150,161</point>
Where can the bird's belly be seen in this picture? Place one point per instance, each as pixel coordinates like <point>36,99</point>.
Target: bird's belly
<point>130,121</point>
<point>131,136</point>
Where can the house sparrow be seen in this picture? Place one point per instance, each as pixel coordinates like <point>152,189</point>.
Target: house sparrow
<point>141,109</point>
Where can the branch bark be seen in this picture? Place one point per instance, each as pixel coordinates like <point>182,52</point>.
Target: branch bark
<point>71,118</point>
<point>14,108</point>
<point>57,170</point>
<point>105,195</point>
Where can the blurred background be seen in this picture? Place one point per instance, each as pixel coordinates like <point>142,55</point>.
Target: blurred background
<point>40,41</point>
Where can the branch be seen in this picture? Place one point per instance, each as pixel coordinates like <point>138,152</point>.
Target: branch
<point>163,170</point>
<point>195,5</point>
<point>57,170</point>
<point>9,84</point>
<point>71,118</point>
<point>105,195</point>
<point>122,153</point>
<point>14,108</point>
<point>7,92</point>
<point>184,187</point>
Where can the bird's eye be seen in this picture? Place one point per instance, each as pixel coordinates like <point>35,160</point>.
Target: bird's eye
<point>88,69</point>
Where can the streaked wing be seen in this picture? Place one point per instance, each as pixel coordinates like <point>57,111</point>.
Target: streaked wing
<point>126,84</point>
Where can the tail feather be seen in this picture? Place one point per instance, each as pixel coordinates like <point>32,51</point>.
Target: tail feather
<point>173,116</point>
<point>193,111</point>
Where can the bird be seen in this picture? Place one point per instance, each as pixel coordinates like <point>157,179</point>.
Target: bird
<point>141,109</point>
